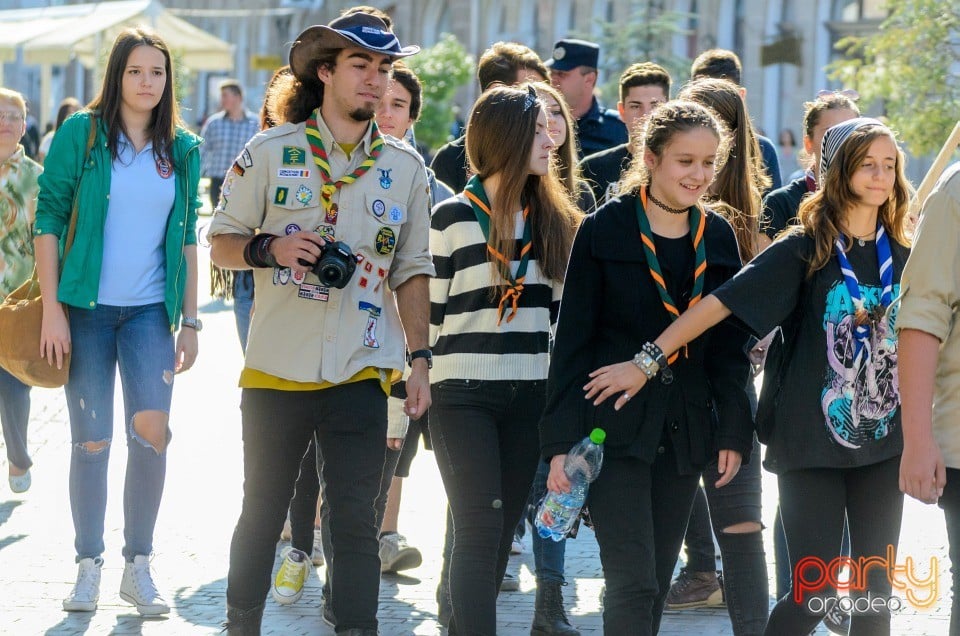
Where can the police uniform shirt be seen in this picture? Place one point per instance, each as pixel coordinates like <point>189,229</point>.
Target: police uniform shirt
<point>301,330</point>
<point>603,171</point>
<point>599,129</point>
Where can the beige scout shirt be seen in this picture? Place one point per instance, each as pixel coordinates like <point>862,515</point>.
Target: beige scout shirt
<point>931,297</point>
<point>300,330</point>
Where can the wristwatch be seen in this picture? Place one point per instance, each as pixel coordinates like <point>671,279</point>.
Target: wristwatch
<point>421,353</point>
<point>192,323</point>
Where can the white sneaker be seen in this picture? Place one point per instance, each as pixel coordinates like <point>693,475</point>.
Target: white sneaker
<point>288,584</point>
<point>86,591</point>
<point>138,588</point>
<point>396,555</point>
<point>317,556</point>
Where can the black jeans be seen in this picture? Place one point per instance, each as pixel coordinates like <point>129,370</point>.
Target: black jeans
<point>746,588</point>
<point>812,505</point>
<point>639,514</point>
<point>950,502</point>
<point>303,506</point>
<point>350,424</point>
<point>486,442</point>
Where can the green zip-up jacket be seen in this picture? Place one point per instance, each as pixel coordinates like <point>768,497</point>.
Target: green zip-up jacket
<point>80,275</point>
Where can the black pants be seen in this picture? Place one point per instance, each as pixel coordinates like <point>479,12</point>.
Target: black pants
<point>950,502</point>
<point>216,185</point>
<point>350,424</point>
<point>486,442</point>
<point>303,506</point>
<point>812,505</point>
<point>746,586</point>
<point>639,513</point>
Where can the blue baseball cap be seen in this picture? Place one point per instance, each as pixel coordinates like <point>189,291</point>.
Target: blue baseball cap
<point>359,29</point>
<point>569,54</point>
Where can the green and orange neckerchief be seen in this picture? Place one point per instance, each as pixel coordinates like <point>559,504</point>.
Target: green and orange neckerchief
<point>698,223</point>
<point>481,208</point>
<point>323,162</point>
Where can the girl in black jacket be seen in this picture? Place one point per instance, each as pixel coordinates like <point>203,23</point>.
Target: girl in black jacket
<point>636,264</point>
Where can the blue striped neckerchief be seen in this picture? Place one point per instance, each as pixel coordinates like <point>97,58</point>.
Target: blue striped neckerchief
<point>861,316</point>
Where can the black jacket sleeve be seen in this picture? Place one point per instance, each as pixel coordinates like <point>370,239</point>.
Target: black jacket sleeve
<point>562,424</point>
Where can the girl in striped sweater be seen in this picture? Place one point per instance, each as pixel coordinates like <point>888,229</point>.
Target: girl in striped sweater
<point>500,248</point>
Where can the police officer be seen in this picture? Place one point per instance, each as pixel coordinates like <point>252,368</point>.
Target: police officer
<point>573,71</point>
<point>320,357</point>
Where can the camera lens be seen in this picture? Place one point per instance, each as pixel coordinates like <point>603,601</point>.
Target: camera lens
<point>331,274</point>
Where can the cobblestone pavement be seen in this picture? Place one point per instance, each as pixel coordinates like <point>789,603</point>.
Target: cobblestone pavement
<point>201,505</point>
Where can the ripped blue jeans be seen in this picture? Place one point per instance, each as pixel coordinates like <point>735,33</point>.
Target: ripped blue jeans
<point>138,341</point>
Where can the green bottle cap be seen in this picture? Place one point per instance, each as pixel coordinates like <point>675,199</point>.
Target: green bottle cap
<point>597,436</point>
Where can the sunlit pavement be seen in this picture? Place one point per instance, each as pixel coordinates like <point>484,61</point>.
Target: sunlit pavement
<point>202,502</point>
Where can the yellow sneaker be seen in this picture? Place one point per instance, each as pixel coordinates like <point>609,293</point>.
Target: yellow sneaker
<point>288,584</point>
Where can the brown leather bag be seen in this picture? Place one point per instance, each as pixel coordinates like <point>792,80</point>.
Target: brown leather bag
<point>21,318</point>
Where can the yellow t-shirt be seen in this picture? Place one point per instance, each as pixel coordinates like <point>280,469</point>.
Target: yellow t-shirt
<point>254,379</point>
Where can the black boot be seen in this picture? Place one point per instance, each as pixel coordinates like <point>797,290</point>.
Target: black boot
<point>241,622</point>
<point>549,618</point>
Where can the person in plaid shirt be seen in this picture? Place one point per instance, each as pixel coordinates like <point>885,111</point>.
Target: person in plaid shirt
<point>225,133</point>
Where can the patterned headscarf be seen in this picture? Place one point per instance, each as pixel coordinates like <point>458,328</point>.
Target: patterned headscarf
<point>834,138</point>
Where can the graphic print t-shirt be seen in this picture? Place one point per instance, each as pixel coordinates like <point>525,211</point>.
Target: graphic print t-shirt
<point>834,410</point>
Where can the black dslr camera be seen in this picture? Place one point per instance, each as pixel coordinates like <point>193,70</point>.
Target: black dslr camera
<point>335,266</point>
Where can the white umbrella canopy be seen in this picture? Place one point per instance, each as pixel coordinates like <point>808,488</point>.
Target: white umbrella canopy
<point>55,35</point>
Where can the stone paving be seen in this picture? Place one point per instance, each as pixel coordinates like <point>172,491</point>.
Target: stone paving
<point>201,505</point>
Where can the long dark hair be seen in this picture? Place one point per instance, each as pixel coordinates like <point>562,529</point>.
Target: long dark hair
<point>68,106</point>
<point>503,113</point>
<point>106,105</point>
<point>295,99</point>
<point>742,179</point>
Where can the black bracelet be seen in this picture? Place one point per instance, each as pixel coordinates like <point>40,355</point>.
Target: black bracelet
<point>256,253</point>
<point>655,352</point>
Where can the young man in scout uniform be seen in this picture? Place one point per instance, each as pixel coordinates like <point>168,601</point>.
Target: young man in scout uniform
<point>322,352</point>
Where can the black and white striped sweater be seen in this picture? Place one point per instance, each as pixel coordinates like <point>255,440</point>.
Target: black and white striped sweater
<point>467,343</point>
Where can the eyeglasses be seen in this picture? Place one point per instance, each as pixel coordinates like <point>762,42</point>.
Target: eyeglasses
<point>14,116</point>
<point>846,92</point>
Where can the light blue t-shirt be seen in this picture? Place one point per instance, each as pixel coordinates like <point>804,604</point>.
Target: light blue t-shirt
<point>142,192</point>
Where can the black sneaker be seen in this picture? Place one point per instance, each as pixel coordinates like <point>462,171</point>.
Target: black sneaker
<point>837,621</point>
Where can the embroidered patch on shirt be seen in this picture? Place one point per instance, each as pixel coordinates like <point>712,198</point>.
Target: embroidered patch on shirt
<point>237,169</point>
<point>280,196</point>
<point>326,232</point>
<point>246,158</point>
<point>294,156</point>
<point>293,173</point>
<point>304,194</point>
<point>164,169</point>
<point>386,241</point>
<point>378,208</point>
<point>385,180</point>
<point>227,187</point>
<point>310,291</point>
<point>396,214</point>
<point>370,331</point>
<point>293,228</point>
<point>331,214</point>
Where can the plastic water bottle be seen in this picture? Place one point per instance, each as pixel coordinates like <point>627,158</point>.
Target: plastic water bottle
<point>558,511</point>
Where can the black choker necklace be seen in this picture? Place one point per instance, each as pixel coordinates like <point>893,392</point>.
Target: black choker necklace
<point>664,206</point>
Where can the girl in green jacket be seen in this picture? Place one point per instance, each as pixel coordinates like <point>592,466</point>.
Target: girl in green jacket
<point>129,275</point>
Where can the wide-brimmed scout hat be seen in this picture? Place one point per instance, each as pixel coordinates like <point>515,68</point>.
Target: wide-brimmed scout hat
<point>361,30</point>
